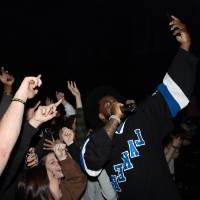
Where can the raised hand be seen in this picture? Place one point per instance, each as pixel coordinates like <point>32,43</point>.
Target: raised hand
<point>73,88</point>
<point>44,114</point>
<point>180,31</point>
<point>67,135</point>
<point>75,91</point>
<point>31,158</point>
<point>48,101</point>
<point>6,78</point>
<point>60,95</point>
<point>60,151</point>
<point>116,109</point>
<point>28,88</point>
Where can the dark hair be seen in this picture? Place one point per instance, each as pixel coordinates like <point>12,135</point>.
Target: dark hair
<point>92,104</point>
<point>34,184</point>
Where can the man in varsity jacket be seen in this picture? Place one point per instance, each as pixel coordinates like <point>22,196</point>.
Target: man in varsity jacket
<point>131,151</point>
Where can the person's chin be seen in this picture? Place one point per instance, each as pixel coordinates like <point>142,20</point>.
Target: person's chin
<point>59,175</point>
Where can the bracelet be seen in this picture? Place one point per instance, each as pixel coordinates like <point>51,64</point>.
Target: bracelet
<point>19,100</point>
<point>116,118</point>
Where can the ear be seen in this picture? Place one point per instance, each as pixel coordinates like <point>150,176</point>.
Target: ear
<point>101,116</point>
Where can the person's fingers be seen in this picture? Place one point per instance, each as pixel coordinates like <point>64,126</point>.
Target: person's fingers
<point>47,145</point>
<point>64,129</point>
<point>48,141</point>
<point>175,18</point>
<point>176,32</point>
<point>47,111</point>
<point>31,150</point>
<point>52,115</point>
<point>42,110</point>
<point>30,159</point>
<point>177,26</point>
<point>37,105</point>
<point>53,108</point>
<point>68,85</point>
<point>39,80</point>
<point>48,148</point>
<point>74,85</point>
<point>58,102</point>
<point>30,164</point>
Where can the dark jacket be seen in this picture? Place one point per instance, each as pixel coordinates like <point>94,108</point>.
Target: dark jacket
<point>9,178</point>
<point>134,159</point>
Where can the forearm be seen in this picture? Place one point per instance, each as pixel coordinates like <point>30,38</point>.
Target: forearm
<point>17,157</point>
<point>183,71</point>
<point>10,127</point>
<point>96,152</point>
<point>111,127</point>
<point>81,130</point>
<point>74,182</point>
<point>78,102</point>
<point>178,83</point>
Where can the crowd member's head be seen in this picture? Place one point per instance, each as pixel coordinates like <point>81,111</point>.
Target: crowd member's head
<point>104,107</point>
<point>34,184</point>
<point>52,166</point>
<point>98,105</point>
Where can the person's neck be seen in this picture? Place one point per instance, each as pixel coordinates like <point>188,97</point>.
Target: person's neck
<point>54,186</point>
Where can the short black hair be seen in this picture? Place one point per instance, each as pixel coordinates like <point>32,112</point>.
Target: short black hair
<point>92,107</point>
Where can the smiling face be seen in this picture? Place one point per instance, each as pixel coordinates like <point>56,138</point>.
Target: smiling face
<point>105,105</point>
<point>53,167</point>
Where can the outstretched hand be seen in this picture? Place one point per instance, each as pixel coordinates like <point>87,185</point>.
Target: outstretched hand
<point>67,135</point>
<point>180,31</point>
<point>73,88</point>
<point>31,158</point>
<point>60,151</point>
<point>44,114</point>
<point>28,88</point>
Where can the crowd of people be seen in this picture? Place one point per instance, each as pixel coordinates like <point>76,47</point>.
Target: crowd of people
<point>48,151</point>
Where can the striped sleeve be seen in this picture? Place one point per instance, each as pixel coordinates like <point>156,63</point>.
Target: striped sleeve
<point>178,83</point>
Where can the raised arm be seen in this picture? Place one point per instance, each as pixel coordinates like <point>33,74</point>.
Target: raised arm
<point>74,182</point>
<point>10,124</point>
<point>81,130</point>
<point>69,109</point>
<point>178,82</point>
<point>75,92</point>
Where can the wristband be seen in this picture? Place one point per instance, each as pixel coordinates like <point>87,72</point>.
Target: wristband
<point>19,100</point>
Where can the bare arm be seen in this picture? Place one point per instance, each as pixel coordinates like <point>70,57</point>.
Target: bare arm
<point>75,92</point>
<point>11,122</point>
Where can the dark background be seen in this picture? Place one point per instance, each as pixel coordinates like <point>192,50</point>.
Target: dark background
<point>126,44</point>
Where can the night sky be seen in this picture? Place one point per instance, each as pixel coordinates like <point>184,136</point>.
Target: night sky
<point>126,44</point>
